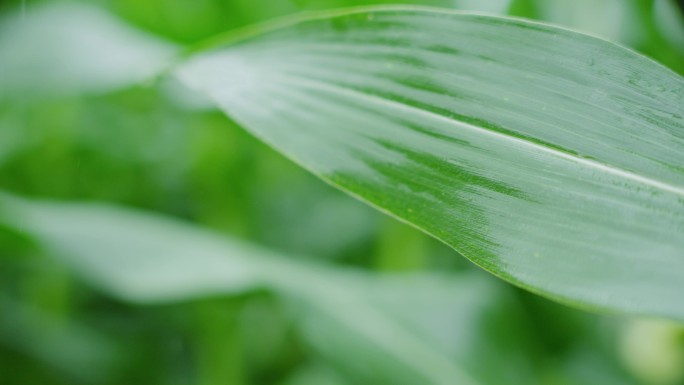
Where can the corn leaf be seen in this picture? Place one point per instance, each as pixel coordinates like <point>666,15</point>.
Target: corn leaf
<point>148,259</point>
<point>552,159</point>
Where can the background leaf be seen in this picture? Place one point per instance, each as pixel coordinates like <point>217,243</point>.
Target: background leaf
<point>550,158</point>
<point>368,328</point>
<point>61,49</point>
<point>147,259</point>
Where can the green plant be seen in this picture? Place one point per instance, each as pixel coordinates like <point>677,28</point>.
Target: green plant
<point>550,158</point>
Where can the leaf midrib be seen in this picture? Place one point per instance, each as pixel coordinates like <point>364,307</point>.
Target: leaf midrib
<point>572,98</point>
<point>294,80</point>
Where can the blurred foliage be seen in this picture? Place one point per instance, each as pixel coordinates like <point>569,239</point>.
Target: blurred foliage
<point>147,147</point>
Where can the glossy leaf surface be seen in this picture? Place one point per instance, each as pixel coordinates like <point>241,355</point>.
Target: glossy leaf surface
<point>552,159</point>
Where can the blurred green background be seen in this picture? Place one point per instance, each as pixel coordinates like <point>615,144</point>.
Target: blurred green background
<point>408,303</point>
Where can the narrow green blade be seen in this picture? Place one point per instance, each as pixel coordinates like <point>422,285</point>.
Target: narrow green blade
<point>552,159</point>
<point>147,259</point>
<point>53,50</point>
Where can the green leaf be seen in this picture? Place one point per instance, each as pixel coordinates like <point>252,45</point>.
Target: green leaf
<point>552,159</point>
<point>147,259</point>
<point>62,49</point>
<point>142,258</point>
<point>404,329</point>
<point>371,328</point>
